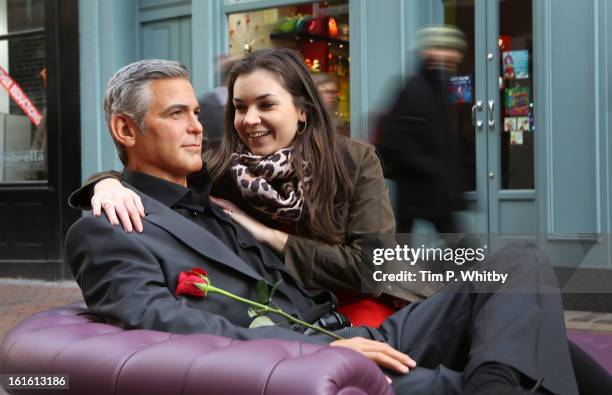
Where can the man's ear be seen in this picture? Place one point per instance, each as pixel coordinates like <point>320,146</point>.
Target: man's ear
<point>124,130</point>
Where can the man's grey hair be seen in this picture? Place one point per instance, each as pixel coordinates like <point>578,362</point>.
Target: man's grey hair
<point>127,91</point>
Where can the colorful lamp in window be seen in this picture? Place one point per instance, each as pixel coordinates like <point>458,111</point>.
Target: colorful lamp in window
<point>332,27</point>
<point>315,26</point>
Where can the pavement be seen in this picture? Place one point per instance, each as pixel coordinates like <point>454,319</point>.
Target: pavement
<point>22,298</point>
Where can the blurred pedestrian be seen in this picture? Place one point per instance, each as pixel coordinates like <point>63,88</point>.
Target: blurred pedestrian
<point>328,89</point>
<point>419,144</point>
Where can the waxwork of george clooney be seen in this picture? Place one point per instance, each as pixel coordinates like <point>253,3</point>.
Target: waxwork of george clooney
<point>453,342</point>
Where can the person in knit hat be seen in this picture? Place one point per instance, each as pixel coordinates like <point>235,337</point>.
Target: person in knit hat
<point>441,47</point>
<point>419,143</point>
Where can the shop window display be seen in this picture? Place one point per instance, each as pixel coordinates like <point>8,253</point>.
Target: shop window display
<point>23,81</point>
<point>516,93</point>
<point>319,31</point>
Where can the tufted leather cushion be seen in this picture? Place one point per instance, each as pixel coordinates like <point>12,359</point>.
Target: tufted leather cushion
<point>104,359</point>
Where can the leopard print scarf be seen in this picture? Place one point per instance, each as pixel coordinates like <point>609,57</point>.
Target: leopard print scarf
<point>269,185</point>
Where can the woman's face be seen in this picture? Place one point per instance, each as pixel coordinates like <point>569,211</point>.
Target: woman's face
<point>266,118</point>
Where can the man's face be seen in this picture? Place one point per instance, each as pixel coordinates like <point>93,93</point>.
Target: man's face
<point>171,145</point>
<point>329,94</point>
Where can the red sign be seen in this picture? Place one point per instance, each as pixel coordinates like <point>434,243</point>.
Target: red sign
<point>19,96</point>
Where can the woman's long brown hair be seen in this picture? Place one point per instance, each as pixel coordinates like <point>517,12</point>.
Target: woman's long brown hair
<point>330,186</point>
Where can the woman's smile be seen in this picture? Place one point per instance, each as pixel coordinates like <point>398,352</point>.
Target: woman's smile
<point>255,135</point>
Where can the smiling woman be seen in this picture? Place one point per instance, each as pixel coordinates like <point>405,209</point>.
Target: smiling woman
<point>298,186</point>
<point>273,104</point>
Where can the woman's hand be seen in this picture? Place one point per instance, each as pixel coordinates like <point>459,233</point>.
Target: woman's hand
<point>118,203</point>
<point>273,238</point>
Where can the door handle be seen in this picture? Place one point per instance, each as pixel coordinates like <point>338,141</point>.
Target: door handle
<point>491,104</point>
<point>476,107</point>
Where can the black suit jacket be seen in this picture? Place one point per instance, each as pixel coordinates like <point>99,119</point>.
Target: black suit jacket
<point>422,150</point>
<point>130,278</point>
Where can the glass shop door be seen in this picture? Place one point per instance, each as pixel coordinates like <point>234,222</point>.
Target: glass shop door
<point>494,107</point>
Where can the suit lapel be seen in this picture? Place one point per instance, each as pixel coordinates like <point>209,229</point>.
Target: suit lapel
<point>193,235</point>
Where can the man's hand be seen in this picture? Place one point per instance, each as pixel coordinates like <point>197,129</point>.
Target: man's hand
<point>380,353</point>
<point>118,203</point>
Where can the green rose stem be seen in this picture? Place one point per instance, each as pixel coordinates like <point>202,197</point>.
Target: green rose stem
<point>210,288</point>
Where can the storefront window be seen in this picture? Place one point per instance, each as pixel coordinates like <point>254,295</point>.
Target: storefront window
<point>516,91</point>
<point>319,31</point>
<point>23,83</point>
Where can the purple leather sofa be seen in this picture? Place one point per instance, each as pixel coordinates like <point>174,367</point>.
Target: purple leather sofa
<point>104,359</point>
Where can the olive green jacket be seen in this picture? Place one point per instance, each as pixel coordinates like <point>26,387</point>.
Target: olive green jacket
<point>368,213</point>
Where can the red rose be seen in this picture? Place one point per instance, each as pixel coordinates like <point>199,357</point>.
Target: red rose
<point>191,282</point>
<point>187,281</point>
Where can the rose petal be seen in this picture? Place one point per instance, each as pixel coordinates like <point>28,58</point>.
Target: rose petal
<point>200,271</point>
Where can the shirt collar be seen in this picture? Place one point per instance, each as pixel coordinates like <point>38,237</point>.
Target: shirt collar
<point>168,193</point>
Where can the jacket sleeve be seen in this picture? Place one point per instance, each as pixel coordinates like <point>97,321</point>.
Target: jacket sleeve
<point>123,281</point>
<point>81,198</point>
<point>403,142</point>
<point>338,267</point>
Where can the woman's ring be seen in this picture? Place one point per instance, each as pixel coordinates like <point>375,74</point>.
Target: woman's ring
<point>107,202</point>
